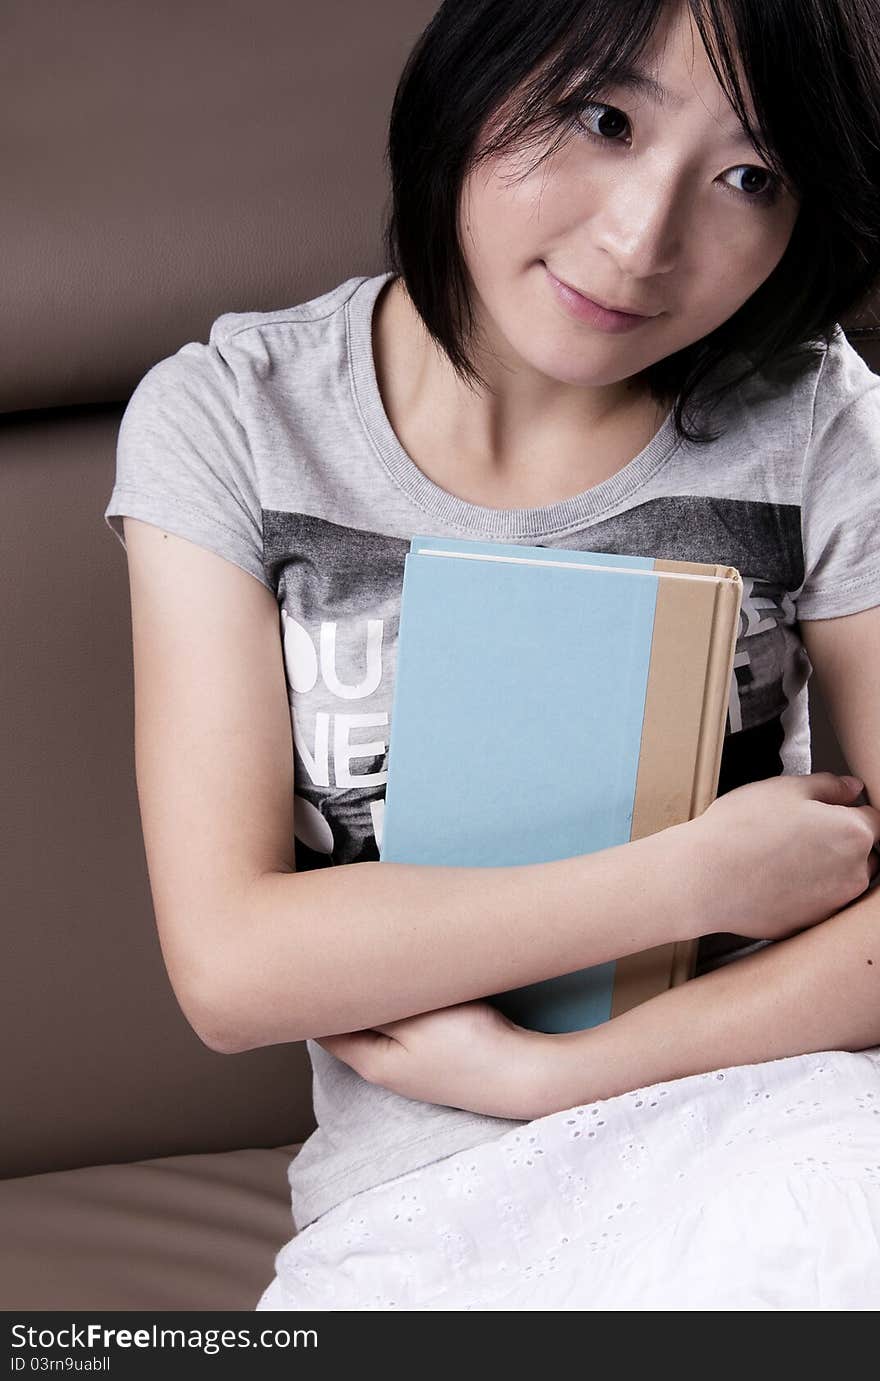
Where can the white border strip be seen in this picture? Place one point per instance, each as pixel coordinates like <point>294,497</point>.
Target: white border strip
<point>569,565</point>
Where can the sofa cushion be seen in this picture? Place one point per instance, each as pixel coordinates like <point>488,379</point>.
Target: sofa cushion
<point>175,1233</point>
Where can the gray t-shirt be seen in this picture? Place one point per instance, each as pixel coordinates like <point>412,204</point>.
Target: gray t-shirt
<point>270,446</point>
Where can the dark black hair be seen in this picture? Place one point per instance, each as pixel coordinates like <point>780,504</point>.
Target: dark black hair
<point>813,73</point>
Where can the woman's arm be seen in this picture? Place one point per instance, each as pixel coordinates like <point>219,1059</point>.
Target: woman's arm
<point>343,949</point>
<point>817,990</point>
<point>259,954</point>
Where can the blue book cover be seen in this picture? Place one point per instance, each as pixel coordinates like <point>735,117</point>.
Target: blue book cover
<point>517,723</point>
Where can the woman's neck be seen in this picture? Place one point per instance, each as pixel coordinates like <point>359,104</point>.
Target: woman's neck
<point>514,448</point>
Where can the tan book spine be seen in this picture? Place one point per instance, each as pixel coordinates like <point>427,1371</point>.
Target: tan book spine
<point>682,739</point>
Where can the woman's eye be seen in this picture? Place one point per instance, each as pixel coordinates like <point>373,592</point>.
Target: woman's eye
<point>601,121</point>
<point>768,184</point>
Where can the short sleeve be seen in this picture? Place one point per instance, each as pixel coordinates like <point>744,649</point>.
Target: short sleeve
<point>183,460</point>
<point>840,490</point>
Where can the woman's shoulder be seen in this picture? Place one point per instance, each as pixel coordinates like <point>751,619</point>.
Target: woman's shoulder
<point>823,369</point>
<point>229,326</point>
<point>843,375</point>
<point>791,398</point>
<point>244,349</point>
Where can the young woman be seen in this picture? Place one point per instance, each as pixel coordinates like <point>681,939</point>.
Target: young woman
<point>623,233</point>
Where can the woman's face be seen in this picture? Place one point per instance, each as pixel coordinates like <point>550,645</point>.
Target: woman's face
<point>655,208</point>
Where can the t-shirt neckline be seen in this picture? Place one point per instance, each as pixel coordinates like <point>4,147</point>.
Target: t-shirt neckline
<point>449,508</point>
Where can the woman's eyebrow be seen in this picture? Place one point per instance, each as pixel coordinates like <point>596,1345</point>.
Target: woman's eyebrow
<point>636,80</point>
<point>633,79</point>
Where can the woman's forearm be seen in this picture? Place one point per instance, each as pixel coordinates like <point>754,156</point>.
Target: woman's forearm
<point>346,948</point>
<point>817,990</point>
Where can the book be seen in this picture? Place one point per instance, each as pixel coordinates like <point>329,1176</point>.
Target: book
<point>549,703</point>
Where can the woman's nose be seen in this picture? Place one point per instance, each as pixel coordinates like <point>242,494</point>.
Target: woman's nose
<point>642,225</point>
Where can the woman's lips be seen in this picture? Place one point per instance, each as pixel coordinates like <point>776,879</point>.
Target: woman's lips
<point>584,309</point>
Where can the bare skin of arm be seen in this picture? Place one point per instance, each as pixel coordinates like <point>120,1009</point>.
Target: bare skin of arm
<point>817,990</point>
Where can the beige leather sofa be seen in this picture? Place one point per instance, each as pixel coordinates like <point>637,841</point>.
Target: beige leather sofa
<point>160,167</point>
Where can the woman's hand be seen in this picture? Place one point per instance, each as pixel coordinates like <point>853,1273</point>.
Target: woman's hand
<point>467,1056</point>
<point>782,854</point>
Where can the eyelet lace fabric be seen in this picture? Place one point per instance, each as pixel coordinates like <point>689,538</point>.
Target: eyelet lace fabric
<point>755,1187</point>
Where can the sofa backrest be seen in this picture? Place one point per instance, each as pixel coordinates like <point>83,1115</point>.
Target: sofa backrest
<point>163,164</point>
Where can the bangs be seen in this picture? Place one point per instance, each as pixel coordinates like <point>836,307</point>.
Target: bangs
<point>603,50</point>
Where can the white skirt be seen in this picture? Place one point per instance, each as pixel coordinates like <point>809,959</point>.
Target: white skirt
<point>751,1188</point>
